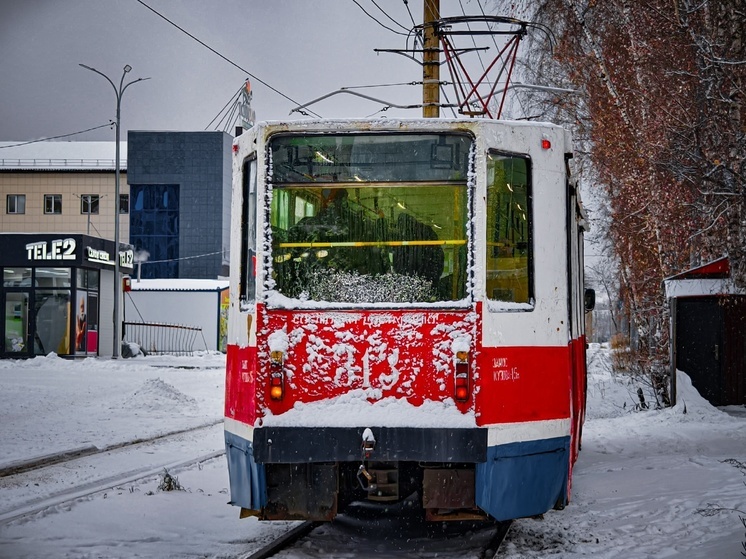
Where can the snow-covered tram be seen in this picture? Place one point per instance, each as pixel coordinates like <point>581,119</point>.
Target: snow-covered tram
<point>406,320</point>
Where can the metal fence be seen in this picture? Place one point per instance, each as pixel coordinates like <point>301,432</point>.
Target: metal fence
<point>162,339</point>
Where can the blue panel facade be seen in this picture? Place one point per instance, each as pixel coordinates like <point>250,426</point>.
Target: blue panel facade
<point>154,215</point>
<point>180,187</point>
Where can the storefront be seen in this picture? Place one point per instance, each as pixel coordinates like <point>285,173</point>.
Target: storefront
<point>58,294</point>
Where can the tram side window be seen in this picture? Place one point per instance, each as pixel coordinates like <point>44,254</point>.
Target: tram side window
<point>247,286</point>
<point>508,258</point>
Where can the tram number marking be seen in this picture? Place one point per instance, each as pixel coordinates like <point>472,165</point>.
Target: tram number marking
<point>503,372</point>
<point>247,375</point>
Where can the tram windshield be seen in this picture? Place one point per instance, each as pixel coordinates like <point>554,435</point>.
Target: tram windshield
<point>368,218</point>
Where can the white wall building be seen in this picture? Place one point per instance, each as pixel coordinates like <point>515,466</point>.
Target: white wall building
<point>195,303</point>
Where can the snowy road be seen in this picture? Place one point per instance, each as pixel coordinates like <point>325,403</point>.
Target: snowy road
<point>647,484</point>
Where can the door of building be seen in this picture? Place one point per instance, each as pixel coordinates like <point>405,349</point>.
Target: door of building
<point>699,345</point>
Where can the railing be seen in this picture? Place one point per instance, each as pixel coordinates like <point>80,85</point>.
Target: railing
<point>61,163</point>
<point>162,339</point>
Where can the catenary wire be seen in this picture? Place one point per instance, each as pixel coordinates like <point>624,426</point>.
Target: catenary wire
<point>228,60</point>
<point>111,123</point>
<point>231,100</point>
<point>375,19</point>
<point>388,16</point>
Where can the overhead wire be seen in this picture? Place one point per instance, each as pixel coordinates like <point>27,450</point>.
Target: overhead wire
<point>233,98</point>
<point>110,123</point>
<point>231,117</point>
<point>183,258</point>
<point>388,16</point>
<point>228,60</point>
<point>375,19</point>
<point>406,4</point>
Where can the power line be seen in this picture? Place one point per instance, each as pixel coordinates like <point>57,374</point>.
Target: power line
<point>182,258</point>
<point>57,137</point>
<point>388,16</point>
<point>376,20</point>
<point>229,61</point>
<point>406,4</point>
<point>234,98</point>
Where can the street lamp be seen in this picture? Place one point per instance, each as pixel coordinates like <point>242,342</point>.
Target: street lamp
<point>117,281</point>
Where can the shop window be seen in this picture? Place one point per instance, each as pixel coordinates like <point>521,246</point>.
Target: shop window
<point>53,277</point>
<point>53,204</point>
<point>16,204</point>
<point>16,322</point>
<point>51,314</point>
<point>86,312</point>
<point>87,279</point>
<point>89,204</point>
<point>17,277</point>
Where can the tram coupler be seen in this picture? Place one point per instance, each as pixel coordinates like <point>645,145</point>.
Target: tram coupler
<point>363,473</point>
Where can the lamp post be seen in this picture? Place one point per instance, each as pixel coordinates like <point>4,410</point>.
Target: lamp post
<point>117,338</point>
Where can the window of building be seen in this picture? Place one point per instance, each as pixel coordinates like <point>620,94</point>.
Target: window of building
<point>16,204</point>
<point>124,203</point>
<point>86,309</point>
<point>509,252</point>
<point>53,203</point>
<point>154,227</point>
<point>89,203</point>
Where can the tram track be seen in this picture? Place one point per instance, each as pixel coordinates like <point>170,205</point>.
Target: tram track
<point>22,466</point>
<point>343,544</point>
<point>33,487</point>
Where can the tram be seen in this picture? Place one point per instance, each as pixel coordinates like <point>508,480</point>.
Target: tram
<point>406,320</point>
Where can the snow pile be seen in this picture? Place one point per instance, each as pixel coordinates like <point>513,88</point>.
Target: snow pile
<point>155,394</point>
<point>689,400</point>
<point>387,412</point>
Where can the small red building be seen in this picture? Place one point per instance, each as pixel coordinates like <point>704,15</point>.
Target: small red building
<point>708,331</point>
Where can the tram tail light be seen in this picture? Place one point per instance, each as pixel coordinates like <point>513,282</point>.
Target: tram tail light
<point>461,377</point>
<point>276,376</point>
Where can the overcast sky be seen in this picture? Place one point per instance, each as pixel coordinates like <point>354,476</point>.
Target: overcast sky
<point>302,48</point>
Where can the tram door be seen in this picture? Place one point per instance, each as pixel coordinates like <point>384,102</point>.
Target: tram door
<point>17,330</point>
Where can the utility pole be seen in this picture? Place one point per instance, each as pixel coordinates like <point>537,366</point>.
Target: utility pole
<point>431,61</point>
<point>118,92</point>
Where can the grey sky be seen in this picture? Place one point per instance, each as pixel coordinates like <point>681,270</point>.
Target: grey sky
<point>302,48</point>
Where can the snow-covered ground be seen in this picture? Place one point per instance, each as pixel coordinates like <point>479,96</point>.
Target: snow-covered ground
<point>655,483</point>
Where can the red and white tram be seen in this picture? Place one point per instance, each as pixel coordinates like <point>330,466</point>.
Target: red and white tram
<point>406,318</point>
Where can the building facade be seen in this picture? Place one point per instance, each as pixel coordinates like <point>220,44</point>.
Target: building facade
<point>62,187</point>
<point>708,331</point>
<point>180,186</point>
<point>57,294</point>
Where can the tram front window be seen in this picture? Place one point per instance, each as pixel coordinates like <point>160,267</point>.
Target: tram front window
<point>394,240</point>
